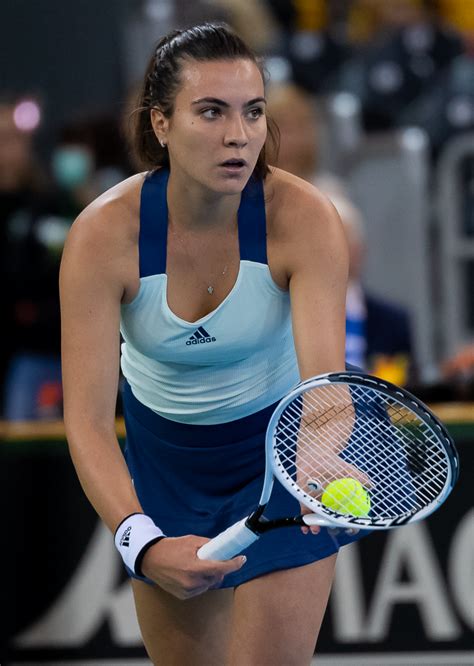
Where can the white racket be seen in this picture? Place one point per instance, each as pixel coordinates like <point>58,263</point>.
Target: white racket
<point>349,424</point>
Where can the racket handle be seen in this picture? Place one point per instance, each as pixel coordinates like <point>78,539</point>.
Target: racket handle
<point>231,542</point>
<point>313,519</point>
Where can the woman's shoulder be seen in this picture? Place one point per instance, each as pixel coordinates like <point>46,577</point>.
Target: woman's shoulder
<point>292,201</point>
<point>114,215</point>
<point>119,202</point>
<point>305,234</point>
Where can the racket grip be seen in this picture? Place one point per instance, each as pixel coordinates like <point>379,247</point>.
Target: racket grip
<point>231,542</point>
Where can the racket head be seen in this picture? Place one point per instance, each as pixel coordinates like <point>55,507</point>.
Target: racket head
<point>391,441</point>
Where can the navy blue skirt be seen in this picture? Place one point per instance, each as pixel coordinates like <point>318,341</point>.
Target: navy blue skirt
<point>200,479</point>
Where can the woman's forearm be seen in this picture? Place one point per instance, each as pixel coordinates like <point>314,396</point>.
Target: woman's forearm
<point>103,474</point>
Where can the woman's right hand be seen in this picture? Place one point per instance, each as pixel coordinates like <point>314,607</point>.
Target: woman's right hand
<point>173,565</point>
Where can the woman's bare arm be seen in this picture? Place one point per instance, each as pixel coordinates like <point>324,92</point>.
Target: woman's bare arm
<point>316,263</point>
<point>91,287</point>
<point>315,259</point>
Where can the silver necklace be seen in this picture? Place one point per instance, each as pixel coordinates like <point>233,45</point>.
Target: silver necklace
<point>209,287</point>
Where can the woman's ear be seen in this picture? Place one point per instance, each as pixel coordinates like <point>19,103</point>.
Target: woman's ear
<point>160,124</point>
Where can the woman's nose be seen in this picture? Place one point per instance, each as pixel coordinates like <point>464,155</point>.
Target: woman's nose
<point>236,134</point>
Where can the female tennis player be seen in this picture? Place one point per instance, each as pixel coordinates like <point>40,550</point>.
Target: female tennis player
<point>226,278</point>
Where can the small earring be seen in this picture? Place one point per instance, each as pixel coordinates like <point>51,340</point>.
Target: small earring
<point>162,143</point>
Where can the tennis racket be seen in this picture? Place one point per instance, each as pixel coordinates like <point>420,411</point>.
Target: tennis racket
<point>349,424</point>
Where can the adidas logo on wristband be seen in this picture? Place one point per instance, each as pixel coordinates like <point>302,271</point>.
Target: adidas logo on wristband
<point>132,547</point>
<point>125,538</point>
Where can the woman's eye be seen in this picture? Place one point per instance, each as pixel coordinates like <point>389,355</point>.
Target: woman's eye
<point>255,113</point>
<point>211,113</point>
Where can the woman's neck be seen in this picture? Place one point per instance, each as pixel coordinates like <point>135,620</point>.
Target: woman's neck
<point>191,206</point>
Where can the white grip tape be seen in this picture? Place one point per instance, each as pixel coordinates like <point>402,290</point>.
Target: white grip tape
<point>228,543</point>
<point>132,535</point>
<point>313,519</point>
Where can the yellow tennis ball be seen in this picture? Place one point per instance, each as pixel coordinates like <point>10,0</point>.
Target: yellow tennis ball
<point>347,496</point>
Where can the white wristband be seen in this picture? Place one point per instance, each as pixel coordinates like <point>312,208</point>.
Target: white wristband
<point>134,535</point>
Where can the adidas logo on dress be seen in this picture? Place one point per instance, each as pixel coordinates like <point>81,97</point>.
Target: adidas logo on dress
<point>200,336</point>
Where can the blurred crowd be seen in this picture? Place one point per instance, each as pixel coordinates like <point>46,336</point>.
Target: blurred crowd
<point>38,203</point>
<point>407,62</point>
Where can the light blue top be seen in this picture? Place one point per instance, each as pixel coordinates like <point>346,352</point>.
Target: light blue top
<point>235,361</point>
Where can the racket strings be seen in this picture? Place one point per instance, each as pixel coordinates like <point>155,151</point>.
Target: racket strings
<point>363,459</point>
<point>372,421</point>
<point>384,506</point>
<point>327,415</point>
<point>313,471</point>
<point>375,434</point>
<point>378,435</point>
<point>317,455</point>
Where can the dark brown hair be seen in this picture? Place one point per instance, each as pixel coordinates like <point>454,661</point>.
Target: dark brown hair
<point>203,43</point>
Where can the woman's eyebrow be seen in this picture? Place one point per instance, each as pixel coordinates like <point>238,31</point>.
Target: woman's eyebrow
<point>221,102</point>
<point>255,101</point>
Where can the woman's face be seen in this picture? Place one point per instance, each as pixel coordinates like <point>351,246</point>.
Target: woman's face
<point>218,126</point>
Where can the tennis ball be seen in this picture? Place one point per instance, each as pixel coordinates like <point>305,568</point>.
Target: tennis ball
<point>346,496</point>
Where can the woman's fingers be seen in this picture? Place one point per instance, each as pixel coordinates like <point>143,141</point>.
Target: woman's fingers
<point>173,564</point>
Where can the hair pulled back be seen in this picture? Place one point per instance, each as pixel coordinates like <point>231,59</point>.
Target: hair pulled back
<point>202,43</point>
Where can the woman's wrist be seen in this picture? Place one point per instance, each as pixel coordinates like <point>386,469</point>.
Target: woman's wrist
<point>133,537</point>
<point>141,556</point>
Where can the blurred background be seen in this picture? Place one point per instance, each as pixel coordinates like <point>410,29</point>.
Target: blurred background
<point>375,104</point>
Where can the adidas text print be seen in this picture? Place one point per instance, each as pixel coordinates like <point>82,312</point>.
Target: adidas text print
<point>200,336</point>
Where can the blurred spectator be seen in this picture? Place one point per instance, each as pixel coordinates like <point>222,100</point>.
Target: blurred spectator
<point>252,19</point>
<point>314,50</point>
<point>410,49</point>
<point>35,219</point>
<point>459,14</point>
<point>298,118</point>
<point>378,335</point>
<point>295,114</point>
<point>460,366</point>
<point>446,108</point>
<point>362,21</point>
<point>456,379</point>
<point>368,19</point>
<point>31,241</point>
<point>88,159</point>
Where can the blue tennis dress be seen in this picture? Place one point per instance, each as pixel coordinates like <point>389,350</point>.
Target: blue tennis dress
<point>198,395</point>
